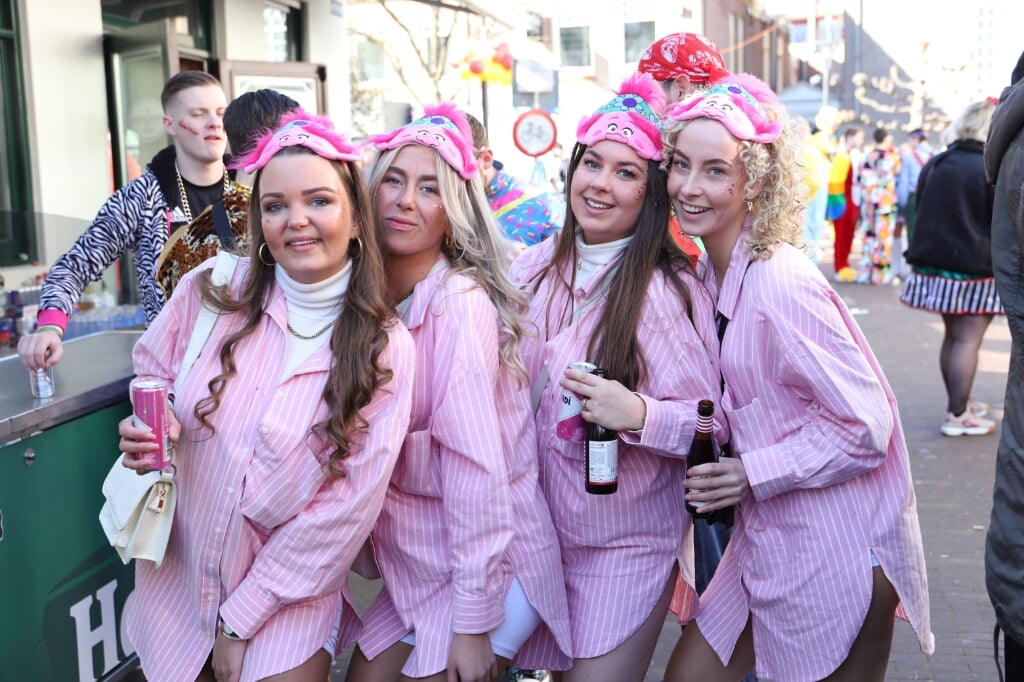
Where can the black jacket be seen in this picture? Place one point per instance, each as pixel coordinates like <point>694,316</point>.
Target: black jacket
<point>954,212</point>
<point>1004,545</point>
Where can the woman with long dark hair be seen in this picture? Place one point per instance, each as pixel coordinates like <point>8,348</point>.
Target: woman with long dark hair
<point>291,420</point>
<point>614,289</point>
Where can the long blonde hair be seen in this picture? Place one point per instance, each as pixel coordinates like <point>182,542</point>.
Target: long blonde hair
<point>478,249</point>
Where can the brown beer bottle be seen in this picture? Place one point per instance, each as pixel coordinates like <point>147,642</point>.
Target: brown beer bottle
<point>602,455</point>
<point>702,450</point>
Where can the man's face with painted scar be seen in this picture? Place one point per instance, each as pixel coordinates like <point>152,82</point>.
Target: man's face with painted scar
<point>194,118</point>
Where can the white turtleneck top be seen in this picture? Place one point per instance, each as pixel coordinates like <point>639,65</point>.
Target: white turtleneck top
<point>310,308</point>
<point>591,258</point>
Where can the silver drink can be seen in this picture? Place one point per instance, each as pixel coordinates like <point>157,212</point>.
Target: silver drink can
<point>571,426</point>
<point>42,382</point>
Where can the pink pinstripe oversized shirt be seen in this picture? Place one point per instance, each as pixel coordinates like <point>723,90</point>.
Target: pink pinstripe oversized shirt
<point>618,550</point>
<point>464,513</point>
<point>819,434</point>
<point>261,534</point>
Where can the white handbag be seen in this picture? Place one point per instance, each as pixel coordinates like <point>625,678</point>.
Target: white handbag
<point>138,513</point>
<point>139,509</point>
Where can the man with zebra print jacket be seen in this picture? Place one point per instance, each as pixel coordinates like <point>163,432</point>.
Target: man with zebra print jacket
<point>180,182</point>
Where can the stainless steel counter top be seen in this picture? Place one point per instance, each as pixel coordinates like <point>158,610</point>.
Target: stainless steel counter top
<point>94,373</point>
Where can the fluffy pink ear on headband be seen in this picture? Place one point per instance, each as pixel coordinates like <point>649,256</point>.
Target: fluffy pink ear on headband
<point>738,102</point>
<point>300,129</point>
<point>444,128</point>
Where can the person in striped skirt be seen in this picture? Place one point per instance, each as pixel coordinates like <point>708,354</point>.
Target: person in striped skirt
<point>951,256</point>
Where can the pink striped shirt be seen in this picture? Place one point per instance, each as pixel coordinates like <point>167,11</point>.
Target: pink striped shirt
<point>261,534</point>
<point>463,514</point>
<point>817,428</point>
<point>618,550</point>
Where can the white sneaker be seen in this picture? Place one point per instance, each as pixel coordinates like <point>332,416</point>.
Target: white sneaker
<point>967,424</point>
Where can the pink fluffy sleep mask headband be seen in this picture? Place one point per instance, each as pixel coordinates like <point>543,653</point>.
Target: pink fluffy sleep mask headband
<point>444,129</point>
<point>632,118</point>
<point>737,102</point>
<point>301,129</point>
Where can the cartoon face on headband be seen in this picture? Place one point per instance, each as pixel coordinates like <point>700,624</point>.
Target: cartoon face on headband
<point>735,108</point>
<point>301,129</point>
<point>444,129</point>
<point>430,139</point>
<point>296,134</point>
<point>621,127</point>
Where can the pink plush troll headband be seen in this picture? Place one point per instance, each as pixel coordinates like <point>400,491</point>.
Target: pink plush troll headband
<point>738,102</point>
<point>632,118</point>
<point>301,129</point>
<point>444,129</point>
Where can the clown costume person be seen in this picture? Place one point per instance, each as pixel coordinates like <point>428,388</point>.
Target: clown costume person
<point>826,548</point>
<point>614,289</point>
<point>464,543</point>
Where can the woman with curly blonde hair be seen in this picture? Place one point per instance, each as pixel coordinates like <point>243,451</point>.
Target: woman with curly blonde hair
<point>826,549</point>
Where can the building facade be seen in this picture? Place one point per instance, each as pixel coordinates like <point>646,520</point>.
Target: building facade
<point>81,85</point>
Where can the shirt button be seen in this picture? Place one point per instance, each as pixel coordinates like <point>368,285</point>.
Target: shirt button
<point>211,566</point>
<point>211,598</point>
<point>265,430</point>
<point>280,394</point>
<point>231,491</point>
<point>217,530</point>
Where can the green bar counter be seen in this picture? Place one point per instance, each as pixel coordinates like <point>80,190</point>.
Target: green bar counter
<point>63,586</point>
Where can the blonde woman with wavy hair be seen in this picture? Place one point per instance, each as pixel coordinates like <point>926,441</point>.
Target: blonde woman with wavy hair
<point>465,544</point>
<point>826,549</point>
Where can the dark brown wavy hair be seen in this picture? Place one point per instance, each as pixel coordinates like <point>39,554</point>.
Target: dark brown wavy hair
<point>359,336</point>
<point>615,346</point>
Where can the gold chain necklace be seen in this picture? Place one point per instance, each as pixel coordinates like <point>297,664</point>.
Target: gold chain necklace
<point>308,338</point>
<point>184,197</point>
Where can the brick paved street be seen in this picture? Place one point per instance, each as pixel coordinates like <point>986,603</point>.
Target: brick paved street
<point>953,480</point>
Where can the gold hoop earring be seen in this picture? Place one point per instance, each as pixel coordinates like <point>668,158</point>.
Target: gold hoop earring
<point>358,241</point>
<point>447,244</point>
<point>267,260</point>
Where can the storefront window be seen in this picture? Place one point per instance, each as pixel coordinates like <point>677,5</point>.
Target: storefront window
<point>575,46</point>
<point>16,219</point>
<point>637,36</point>
<point>281,31</point>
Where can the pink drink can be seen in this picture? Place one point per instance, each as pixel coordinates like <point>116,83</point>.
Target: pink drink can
<point>149,407</point>
<point>571,426</point>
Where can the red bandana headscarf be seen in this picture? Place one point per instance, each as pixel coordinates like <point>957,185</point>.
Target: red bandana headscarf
<point>689,54</point>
